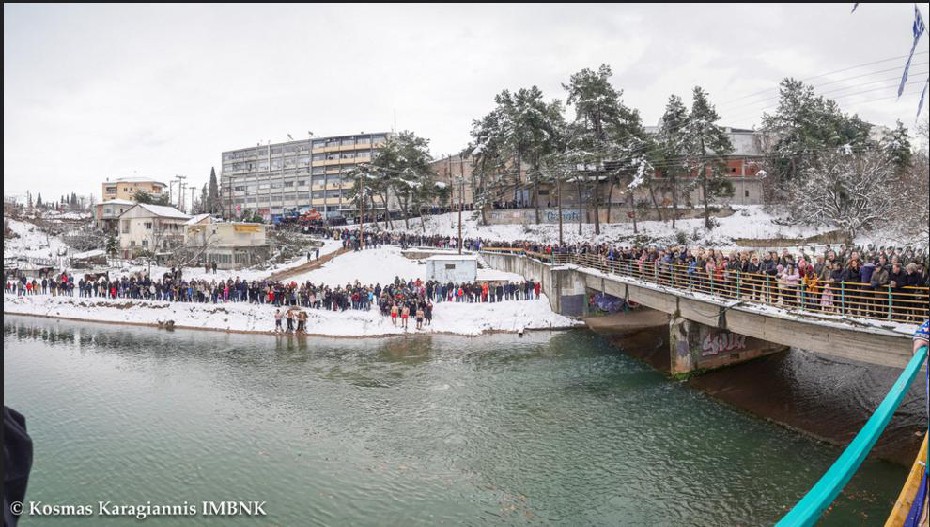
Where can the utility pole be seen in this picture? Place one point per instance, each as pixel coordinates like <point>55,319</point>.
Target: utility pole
<point>193,189</point>
<point>361,218</point>
<point>461,198</point>
<point>180,180</point>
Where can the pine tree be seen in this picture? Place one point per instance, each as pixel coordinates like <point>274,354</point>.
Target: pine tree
<point>709,146</point>
<point>605,128</point>
<point>403,164</point>
<point>213,194</point>
<point>488,150</point>
<point>39,201</point>
<point>897,148</point>
<point>673,147</point>
<point>804,124</point>
<point>28,200</point>
<point>204,200</point>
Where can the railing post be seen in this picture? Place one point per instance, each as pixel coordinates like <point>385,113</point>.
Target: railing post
<point>889,302</point>
<point>842,298</point>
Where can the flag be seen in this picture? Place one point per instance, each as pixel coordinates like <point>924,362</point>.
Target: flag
<point>918,30</point>
<point>923,93</point>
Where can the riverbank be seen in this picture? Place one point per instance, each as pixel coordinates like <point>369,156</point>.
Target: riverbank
<point>454,318</point>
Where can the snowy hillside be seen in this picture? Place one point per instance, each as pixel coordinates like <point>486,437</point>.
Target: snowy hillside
<point>747,222</point>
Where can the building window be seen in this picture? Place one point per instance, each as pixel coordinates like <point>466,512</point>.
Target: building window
<point>747,193</point>
<point>148,225</point>
<point>450,266</point>
<point>145,243</point>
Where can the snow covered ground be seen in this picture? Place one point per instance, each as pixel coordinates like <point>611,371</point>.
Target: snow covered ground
<point>448,317</point>
<point>199,273</point>
<point>32,242</point>
<point>381,265</point>
<point>746,222</point>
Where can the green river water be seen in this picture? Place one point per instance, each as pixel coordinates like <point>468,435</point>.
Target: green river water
<point>555,428</point>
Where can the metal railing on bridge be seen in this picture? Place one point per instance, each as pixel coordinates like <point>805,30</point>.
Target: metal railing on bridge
<point>899,304</point>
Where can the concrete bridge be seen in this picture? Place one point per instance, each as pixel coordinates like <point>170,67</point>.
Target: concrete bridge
<point>706,331</point>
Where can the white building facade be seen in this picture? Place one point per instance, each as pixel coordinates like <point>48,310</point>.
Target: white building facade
<point>150,229</point>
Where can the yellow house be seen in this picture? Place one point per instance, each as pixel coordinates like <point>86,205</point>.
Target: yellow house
<point>125,188</point>
<point>230,245</point>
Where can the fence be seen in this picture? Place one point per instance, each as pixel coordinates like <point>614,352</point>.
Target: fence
<point>899,304</point>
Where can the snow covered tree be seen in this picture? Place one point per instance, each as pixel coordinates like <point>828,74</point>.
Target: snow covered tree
<point>897,147</point>
<point>39,201</point>
<point>403,163</point>
<point>489,151</point>
<point>605,128</point>
<point>530,127</point>
<point>709,145</point>
<point>672,148</point>
<point>851,191</point>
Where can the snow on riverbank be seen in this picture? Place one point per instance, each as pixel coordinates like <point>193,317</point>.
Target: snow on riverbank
<point>448,318</point>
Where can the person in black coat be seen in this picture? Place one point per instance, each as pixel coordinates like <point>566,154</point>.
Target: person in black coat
<point>898,280</point>
<point>17,462</point>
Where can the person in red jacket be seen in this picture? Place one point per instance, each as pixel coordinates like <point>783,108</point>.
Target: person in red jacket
<point>536,289</point>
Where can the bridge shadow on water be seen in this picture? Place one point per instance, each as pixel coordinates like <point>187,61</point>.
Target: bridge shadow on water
<point>824,397</point>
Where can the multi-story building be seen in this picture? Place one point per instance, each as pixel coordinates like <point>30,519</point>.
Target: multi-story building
<point>306,173</point>
<point>457,173</point>
<point>151,228</point>
<point>106,214</point>
<point>124,188</point>
<point>515,190</point>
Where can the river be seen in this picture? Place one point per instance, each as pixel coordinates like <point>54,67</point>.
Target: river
<point>552,428</point>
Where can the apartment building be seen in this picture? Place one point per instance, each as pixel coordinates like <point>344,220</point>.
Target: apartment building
<point>307,173</point>
<point>124,188</point>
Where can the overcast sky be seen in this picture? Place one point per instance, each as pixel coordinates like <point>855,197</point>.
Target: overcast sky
<point>97,91</point>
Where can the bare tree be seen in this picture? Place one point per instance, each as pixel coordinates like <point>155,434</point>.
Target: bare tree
<point>846,190</point>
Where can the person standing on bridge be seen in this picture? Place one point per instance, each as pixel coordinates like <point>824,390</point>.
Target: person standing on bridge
<point>922,336</point>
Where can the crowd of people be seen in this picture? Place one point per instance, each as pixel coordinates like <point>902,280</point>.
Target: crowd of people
<point>397,300</point>
<point>879,282</point>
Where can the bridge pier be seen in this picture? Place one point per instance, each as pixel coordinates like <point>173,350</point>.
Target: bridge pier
<point>694,346</point>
